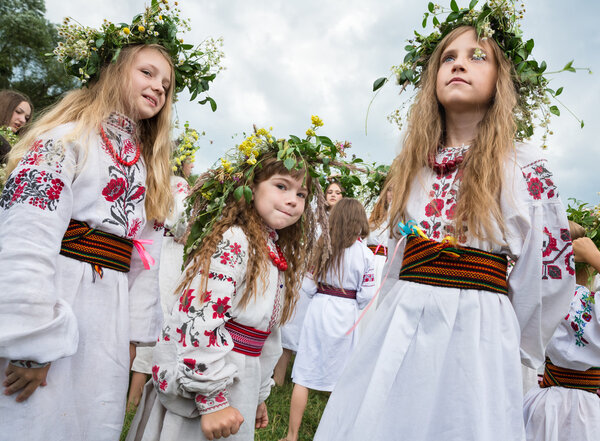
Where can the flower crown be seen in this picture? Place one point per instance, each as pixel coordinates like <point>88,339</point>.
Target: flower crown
<point>234,172</point>
<point>497,19</point>
<point>85,50</point>
<point>186,147</point>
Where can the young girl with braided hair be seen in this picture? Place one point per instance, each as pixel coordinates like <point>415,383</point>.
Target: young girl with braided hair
<point>441,359</point>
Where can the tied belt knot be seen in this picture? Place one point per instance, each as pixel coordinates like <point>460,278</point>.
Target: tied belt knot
<point>445,264</point>
<point>588,380</point>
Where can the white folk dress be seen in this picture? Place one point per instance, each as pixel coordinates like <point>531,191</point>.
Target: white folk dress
<point>558,413</point>
<point>171,261</point>
<point>56,309</point>
<point>195,371</point>
<point>443,363</point>
<point>324,346</point>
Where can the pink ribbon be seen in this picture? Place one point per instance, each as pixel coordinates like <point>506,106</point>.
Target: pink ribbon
<point>147,259</point>
<point>378,289</point>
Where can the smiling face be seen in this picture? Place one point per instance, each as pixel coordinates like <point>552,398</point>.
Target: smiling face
<point>280,200</point>
<point>333,194</point>
<point>20,116</point>
<point>150,80</point>
<point>466,78</point>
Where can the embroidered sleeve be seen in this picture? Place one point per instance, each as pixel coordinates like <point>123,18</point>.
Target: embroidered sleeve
<point>538,236</point>
<point>145,313</point>
<point>35,209</point>
<point>367,288</point>
<point>197,327</point>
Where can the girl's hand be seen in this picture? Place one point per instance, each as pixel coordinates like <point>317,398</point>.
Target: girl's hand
<point>585,251</point>
<point>221,423</point>
<point>262,417</point>
<point>25,379</point>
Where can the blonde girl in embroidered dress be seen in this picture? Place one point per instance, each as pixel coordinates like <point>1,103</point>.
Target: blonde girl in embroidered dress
<point>213,363</point>
<point>339,286</point>
<point>96,165</point>
<point>442,357</point>
<point>567,406</point>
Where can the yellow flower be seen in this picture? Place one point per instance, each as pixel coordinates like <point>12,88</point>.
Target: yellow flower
<point>226,165</point>
<point>262,132</point>
<point>316,121</point>
<point>174,168</point>
<point>126,31</point>
<point>251,160</point>
<point>310,132</point>
<point>141,28</point>
<point>207,196</point>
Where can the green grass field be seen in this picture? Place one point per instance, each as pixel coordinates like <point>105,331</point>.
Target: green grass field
<point>278,405</point>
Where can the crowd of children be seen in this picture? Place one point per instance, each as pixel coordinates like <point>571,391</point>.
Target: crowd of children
<point>118,276</point>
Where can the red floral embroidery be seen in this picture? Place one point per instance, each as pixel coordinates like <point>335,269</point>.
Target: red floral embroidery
<point>163,384</point>
<point>190,363</point>
<point>535,188</point>
<point>450,212</point>
<point>539,181</point>
<point>221,307</point>
<point>549,244</point>
<point>138,193</point>
<point>185,301</point>
<point>220,398</point>
<point>434,208</point>
<point>33,186</point>
<point>134,227</point>
<point>225,258</point>
<point>552,252</point>
<point>182,337</point>
<point>235,248</point>
<point>114,189</point>
<point>212,338</point>
<point>155,370</point>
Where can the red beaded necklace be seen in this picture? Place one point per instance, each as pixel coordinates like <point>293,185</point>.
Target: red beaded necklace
<point>444,168</point>
<point>115,155</point>
<point>278,259</point>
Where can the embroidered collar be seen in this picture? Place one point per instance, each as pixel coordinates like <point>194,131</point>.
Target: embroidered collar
<point>121,122</point>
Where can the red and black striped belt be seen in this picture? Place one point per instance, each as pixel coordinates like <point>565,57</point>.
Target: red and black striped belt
<point>336,292</point>
<point>246,340</point>
<point>378,250</point>
<point>433,263</point>
<point>102,250</point>
<point>588,381</point>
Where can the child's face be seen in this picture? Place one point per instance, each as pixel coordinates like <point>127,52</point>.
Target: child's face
<point>150,77</point>
<point>466,79</point>
<point>20,116</point>
<point>333,194</point>
<point>280,200</point>
<point>187,168</point>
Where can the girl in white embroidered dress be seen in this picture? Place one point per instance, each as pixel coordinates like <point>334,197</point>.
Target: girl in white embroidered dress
<point>324,346</point>
<point>442,362</point>
<point>559,413</point>
<point>64,321</point>
<point>204,386</point>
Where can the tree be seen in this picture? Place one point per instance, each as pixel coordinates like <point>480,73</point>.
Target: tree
<point>25,39</point>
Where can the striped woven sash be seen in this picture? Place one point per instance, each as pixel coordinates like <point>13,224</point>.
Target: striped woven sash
<point>102,250</point>
<point>246,340</point>
<point>378,250</point>
<point>336,292</point>
<point>588,381</point>
<point>433,263</point>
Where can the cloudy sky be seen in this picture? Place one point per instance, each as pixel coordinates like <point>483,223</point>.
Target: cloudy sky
<point>289,59</point>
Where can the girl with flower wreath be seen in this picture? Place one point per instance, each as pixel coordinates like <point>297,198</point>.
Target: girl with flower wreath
<point>442,357</point>
<point>16,110</point>
<point>566,406</point>
<point>213,363</point>
<point>339,285</point>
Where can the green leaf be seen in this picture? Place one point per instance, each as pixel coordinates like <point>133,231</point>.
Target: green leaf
<point>555,110</point>
<point>569,67</point>
<point>582,124</point>
<point>247,193</point>
<point>558,91</point>
<point>472,4</point>
<point>529,46</point>
<point>238,193</point>
<point>424,24</point>
<point>378,83</point>
<point>454,6</point>
<point>436,22</point>
<point>289,163</point>
<point>430,6</point>
<point>295,139</point>
<point>99,42</point>
<point>187,46</point>
<point>213,104</point>
<point>542,67</point>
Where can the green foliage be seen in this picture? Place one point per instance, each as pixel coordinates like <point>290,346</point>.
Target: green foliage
<point>586,216</point>
<point>25,37</point>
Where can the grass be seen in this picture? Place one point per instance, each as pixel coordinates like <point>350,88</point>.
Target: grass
<point>278,406</point>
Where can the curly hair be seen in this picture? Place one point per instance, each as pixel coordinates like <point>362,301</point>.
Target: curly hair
<point>294,240</point>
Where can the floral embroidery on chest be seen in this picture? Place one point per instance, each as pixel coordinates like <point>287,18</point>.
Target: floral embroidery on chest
<point>38,188</point>
<point>182,187</point>
<point>557,254</point>
<point>440,207</point>
<point>230,254</point>
<point>125,190</point>
<point>539,180</point>
<point>583,306</point>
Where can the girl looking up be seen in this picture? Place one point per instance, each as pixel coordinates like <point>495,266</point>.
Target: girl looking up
<point>442,357</point>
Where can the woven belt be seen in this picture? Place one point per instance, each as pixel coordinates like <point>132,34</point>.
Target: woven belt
<point>378,250</point>
<point>588,381</point>
<point>96,247</point>
<point>246,340</point>
<point>336,292</point>
<point>433,263</point>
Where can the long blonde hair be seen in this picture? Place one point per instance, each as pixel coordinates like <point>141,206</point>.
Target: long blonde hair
<point>293,240</point>
<point>482,169</point>
<point>89,106</point>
